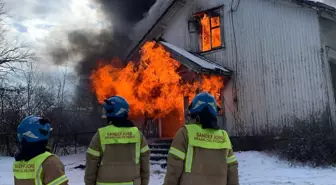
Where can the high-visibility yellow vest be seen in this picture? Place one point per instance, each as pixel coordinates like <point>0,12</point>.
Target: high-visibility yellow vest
<point>207,138</point>
<point>30,170</point>
<point>120,135</point>
<point>204,138</point>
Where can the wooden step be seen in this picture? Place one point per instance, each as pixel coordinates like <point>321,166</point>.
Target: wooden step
<point>160,145</point>
<point>164,140</point>
<point>158,157</point>
<point>159,150</point>
<point>160,162</point>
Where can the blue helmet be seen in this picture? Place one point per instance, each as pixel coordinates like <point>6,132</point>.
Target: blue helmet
<point>203,101</point>
<point>34,129</point>
<point>116,107</point>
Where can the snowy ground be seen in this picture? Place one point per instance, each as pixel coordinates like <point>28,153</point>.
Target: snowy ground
<point>255,169</point>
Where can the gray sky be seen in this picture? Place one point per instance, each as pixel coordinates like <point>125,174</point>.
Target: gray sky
<point>41,23</point>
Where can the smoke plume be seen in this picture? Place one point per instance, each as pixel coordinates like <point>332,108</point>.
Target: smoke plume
<point>107,44</point>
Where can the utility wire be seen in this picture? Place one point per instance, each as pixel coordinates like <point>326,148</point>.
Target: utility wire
<point>234,8</point>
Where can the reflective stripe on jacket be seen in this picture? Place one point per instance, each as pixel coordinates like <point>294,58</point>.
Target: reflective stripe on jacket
<point>44,169</point>
<point>117,155</point>
<point>201,156</point>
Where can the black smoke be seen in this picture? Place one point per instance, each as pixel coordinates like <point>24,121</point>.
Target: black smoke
<point>125,13</point>
<point>109,43</point>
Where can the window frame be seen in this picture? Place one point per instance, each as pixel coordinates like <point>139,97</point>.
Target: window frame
<point>215,10</point>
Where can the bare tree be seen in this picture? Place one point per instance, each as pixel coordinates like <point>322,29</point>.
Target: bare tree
<point>11,52</point>
<point>31,81</point>
<point>61,90</point>
<point>11,114</point>
<point>43,101</point>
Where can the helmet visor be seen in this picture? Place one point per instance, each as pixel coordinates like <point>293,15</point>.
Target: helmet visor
<point>44,121</point>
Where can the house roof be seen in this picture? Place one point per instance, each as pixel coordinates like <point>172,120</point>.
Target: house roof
<point>321,4</point>
<point>324,7</point>
<point>195,62</point>
<point>138,43</point>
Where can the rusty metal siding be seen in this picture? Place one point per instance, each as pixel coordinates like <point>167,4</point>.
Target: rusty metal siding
<point>280,76</point>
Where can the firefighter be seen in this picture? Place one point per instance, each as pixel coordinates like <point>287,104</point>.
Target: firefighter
<point>118,153</point>
<point>34,164</point>
<point>201,152</point>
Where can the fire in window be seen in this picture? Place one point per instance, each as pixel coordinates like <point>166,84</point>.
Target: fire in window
<point>209,29</point>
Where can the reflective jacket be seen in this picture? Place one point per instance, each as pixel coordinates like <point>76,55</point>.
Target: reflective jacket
<point>44,169</point>
<point>117,155</point>
<point>200,157</point>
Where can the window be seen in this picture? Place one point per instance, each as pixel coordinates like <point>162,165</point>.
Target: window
<point>210,29</point>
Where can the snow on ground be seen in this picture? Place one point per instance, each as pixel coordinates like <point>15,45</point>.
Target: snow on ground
<point>254,168</point>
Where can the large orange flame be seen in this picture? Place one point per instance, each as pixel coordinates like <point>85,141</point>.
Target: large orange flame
<point>153,86</point>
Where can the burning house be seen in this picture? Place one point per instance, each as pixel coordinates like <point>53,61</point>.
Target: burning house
<point>268,62</point>
<point>157,86</point>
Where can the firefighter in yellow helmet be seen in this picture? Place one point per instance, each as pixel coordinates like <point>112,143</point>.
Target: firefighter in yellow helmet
<point>201,153</point>
<point>118,153</point>
<point>34,164</point>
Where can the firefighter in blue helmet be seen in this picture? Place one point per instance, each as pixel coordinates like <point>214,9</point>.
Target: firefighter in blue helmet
<point>201,152</point>
<point>118,153</point>
<point>34,164</point>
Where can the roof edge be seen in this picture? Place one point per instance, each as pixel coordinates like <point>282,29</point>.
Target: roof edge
<point>157,22</point>
<point>320,6</point>
<point>196,63</point>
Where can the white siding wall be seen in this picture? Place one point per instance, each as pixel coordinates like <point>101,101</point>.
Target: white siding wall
<point>279,68</point>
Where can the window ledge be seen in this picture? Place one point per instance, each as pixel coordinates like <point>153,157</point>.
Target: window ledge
<point>211,51</point>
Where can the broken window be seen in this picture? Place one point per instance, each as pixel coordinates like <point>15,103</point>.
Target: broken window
<point>210,29</point>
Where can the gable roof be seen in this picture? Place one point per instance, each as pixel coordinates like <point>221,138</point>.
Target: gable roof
<point>176,4</point>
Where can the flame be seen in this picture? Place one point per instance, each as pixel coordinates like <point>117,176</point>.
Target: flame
<point>205,36</point>
<point>211,33</point>
<point>153,87</point>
